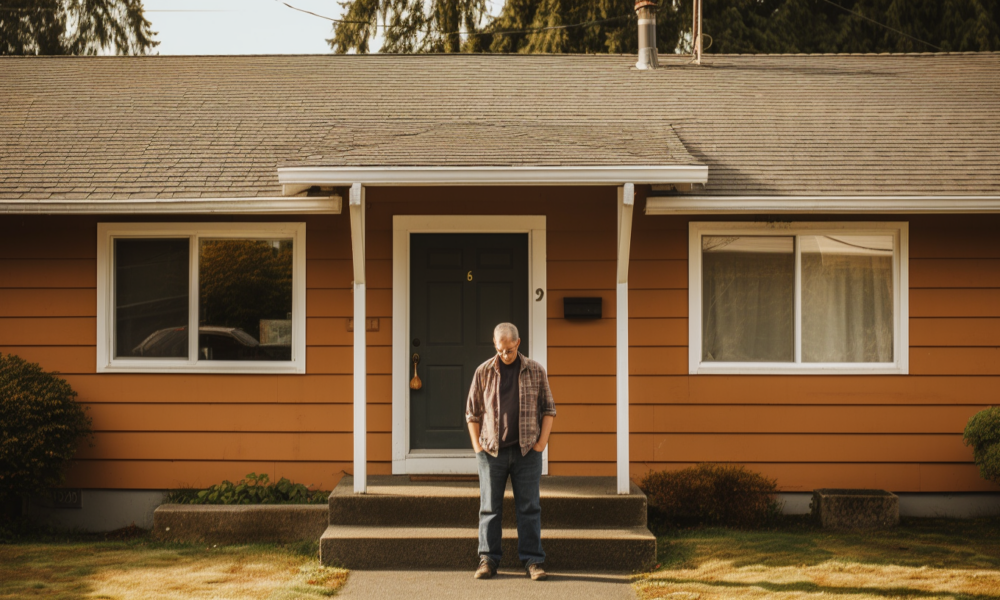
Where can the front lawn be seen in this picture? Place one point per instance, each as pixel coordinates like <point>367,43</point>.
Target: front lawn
<point>142,568</point>
<point>923,558</point>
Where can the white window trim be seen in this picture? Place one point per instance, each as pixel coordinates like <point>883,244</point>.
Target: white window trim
<point>901,337</point>
<point>106,232</point>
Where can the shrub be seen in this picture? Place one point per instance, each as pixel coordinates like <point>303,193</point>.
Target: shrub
<point>41,426</point>
<point>708,494</point>
<point>255,489</point>
<point>983,433</point>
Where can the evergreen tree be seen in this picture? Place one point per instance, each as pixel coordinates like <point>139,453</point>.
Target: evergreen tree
<point>611,27</point>
<point>409,25</point>
<point>730,26</point>
<point>811,26</point>
<point>74,27</point>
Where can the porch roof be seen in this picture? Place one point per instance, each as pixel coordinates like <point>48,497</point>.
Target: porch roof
<point>126,128</point>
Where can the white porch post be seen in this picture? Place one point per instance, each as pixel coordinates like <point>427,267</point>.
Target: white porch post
<point>357,207</point>
<point>626,201</point>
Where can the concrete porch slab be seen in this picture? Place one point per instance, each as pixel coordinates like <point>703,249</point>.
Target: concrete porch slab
<point>606,549</point>
<point>567,502</point>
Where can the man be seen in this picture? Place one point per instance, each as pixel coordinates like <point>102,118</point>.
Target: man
<point>510,412</point>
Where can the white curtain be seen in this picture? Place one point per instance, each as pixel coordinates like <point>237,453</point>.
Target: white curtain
<point>748,299</point>
<point>847,299</point>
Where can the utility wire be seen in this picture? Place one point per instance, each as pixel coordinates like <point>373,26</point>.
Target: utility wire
<point>902,33</point>
<point>507,32</point>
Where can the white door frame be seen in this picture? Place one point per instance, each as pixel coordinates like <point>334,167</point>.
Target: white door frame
<point>453,461</point>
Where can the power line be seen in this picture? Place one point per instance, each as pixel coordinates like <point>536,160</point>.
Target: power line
<point>309,12</point>
<point>506,32</point>
<point>902,33</point>
<point>35,9</point>
<point>550,28</point>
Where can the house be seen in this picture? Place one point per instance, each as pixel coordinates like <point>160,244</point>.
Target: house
<point>795,261</point>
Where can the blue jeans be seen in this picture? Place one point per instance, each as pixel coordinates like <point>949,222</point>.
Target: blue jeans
<point>525,474</point>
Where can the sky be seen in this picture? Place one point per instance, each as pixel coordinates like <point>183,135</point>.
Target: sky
<point>241,26</point>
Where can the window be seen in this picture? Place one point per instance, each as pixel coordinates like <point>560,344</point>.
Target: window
<point>798,298</point>
<point>239,286</point>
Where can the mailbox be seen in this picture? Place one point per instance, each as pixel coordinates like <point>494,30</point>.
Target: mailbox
<point>582,308</point>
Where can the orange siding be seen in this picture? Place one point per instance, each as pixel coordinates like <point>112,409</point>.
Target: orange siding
<point>895,432</point>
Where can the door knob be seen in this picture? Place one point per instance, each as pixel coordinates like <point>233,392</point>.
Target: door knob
<point>415,383</point>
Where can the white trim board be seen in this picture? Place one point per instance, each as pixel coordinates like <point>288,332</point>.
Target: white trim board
<point>189,206</point>
<point>626,204</point>
<point>106,232</point>
<point>901,311</point>
<point>690,205</point>
<point>595,175</point>
<point>360,371</point>
<point>445,462</point>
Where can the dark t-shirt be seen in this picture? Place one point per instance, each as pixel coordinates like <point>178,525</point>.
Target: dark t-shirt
<point>510,403</point>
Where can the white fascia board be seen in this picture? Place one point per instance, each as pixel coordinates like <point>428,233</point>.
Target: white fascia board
<point>689,205</point>
<point>226,206</point>
<point>387,176</point>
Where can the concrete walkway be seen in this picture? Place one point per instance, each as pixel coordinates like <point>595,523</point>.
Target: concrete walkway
<point>507,585</point>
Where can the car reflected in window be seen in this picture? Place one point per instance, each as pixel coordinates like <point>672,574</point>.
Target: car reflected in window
<point>214,343</point>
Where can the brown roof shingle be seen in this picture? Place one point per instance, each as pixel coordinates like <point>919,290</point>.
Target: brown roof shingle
<point>154,127</point>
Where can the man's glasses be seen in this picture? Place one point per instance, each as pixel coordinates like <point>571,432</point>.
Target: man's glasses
<point>507,351</point>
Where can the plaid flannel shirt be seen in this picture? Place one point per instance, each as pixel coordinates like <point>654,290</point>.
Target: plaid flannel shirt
<point>483,405</point>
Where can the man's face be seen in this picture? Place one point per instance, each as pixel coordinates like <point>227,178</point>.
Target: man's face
<point>507,349</point>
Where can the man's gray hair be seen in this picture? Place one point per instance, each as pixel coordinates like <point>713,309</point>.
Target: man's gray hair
<point>506,331</point>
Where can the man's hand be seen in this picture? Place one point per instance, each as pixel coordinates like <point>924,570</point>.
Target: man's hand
<point>474,429</point>
<point>543,435</point>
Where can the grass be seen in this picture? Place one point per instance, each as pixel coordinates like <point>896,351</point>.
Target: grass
<point>921,559</point>
<point>78,566</point>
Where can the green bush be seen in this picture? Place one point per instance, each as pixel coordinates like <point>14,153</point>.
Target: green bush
<point>708,494</point>
<point>255,489</point>
<point>41,426</point>
<point>983,433</point>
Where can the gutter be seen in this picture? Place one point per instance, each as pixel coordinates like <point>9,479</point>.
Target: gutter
<point>221,206</point>
<point>416,176</point>
<point>689,205</point>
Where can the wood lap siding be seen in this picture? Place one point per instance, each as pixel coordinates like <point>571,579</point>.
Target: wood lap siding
<point>902,433</point>
<point>161,430</point>
<point>896,432</point>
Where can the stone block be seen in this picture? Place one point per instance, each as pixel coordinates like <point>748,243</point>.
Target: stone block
<point>855,509</point>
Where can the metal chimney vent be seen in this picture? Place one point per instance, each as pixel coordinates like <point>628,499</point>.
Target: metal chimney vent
<point>646,11</point>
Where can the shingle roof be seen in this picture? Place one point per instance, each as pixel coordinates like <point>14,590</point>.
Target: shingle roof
<point>163,127</point>
<point>496,142</point>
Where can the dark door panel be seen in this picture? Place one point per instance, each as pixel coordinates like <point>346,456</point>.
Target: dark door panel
<point>461,286</point>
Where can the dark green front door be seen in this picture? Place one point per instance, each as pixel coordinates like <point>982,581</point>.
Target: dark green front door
<point>461,286</point>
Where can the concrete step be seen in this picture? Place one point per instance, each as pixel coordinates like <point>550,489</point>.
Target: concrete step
<point>567,502</point>
<point>354,547</point>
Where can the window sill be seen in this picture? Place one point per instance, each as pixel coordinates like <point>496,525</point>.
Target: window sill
<point>798,369</point>
<point>254,368</point>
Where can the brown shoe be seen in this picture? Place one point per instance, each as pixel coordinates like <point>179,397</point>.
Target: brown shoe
<point>486,569</point>
<point>536,572</point>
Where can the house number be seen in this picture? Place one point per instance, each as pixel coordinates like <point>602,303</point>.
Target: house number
<point>468,277</point>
